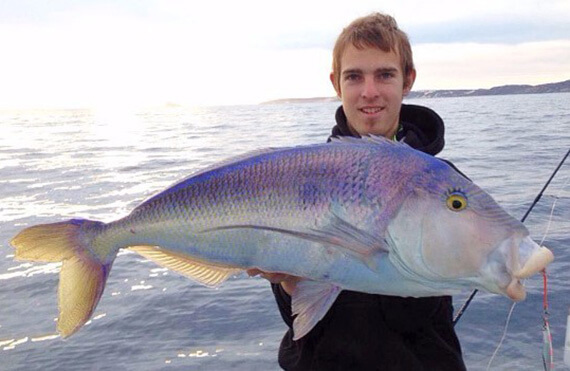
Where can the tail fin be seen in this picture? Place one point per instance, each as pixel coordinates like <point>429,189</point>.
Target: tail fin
<point>83,273</point>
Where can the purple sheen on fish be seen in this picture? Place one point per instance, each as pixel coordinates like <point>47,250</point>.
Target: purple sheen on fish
<point>366,215</point>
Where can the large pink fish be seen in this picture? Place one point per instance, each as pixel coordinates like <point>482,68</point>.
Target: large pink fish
<point>365,214</point>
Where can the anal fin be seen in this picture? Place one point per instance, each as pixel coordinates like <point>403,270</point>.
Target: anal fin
<point>205,273</point>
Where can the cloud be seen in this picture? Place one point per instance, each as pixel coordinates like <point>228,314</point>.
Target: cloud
<point>147,51</point>
<point>491,30</point>
<point>474,65</point>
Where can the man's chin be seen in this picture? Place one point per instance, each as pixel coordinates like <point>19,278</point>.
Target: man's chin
<point>376,128</point>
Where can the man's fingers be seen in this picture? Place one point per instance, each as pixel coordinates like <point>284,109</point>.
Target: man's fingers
<point>271,277</point>
<point>253,272</point>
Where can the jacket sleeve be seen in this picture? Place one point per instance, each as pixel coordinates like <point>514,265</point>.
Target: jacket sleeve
<point>283,303</point>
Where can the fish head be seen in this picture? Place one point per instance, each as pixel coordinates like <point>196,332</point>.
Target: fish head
<point>449,232</point>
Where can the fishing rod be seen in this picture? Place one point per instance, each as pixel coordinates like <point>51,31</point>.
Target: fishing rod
<point>464,307</point>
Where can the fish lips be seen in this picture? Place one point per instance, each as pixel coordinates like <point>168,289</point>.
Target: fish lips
<point>537,261</point>
<point>521,261</point>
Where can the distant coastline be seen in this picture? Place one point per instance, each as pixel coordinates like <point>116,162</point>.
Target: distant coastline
<point>556,87</point>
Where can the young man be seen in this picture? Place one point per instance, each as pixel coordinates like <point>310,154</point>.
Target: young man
<point>372,72</point>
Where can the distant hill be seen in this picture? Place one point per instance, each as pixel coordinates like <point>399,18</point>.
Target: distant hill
<point>556,87</point>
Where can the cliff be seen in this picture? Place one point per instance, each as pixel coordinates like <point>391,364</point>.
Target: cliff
<point>556,87</point>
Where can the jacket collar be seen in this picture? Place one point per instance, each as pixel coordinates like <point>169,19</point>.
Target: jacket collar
<point>420,127</point>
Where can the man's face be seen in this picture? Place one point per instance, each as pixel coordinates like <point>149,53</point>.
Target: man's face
<point>372,90</point>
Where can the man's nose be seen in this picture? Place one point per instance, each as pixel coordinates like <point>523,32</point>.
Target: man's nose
<point>370,89</point>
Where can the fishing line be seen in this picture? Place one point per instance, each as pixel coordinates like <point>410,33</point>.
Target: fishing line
<point>503,336</point>
<point>547,351</point>
<point>552,210</point>
<point>537,198</point>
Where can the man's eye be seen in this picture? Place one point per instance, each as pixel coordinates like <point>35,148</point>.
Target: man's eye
<point>386,75</point>
<point>352,77</point>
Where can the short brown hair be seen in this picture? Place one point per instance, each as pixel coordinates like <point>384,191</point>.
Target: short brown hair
<point>376,30</point>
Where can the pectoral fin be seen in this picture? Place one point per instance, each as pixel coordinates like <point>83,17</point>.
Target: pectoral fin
<point>311,301</point>
<point>351,237</point>
<point>205,273</point>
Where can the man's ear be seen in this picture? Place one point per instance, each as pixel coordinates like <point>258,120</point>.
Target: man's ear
<point>335,85</point>
<point>409,81</point>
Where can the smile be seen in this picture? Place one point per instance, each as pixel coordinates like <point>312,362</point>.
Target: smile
<point>371,110</point>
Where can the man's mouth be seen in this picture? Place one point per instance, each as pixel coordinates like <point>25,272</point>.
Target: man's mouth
<point>371,110</point>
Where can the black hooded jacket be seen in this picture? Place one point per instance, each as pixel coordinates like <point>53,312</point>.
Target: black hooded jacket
<point>377,332</point>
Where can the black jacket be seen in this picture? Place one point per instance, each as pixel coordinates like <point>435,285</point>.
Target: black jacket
<point>378,332</point>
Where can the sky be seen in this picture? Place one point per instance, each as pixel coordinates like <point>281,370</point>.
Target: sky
<point>98,53</point>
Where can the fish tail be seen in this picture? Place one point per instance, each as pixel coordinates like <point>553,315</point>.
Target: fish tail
<point>84,270</point>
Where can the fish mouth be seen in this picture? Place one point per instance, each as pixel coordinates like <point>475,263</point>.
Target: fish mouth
<point>515,290</point>
<point>536,262</point>
<point>532,259</point>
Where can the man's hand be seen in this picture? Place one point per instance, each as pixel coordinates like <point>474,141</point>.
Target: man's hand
<point>287,281</point>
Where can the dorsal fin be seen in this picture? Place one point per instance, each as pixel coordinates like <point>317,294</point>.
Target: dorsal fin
<point>369,138</point>
<point>205,273</point>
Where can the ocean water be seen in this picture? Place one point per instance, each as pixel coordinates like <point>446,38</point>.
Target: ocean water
<point>55,165</point>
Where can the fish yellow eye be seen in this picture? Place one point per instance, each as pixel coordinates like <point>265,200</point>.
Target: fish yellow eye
<point>456,202</point>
